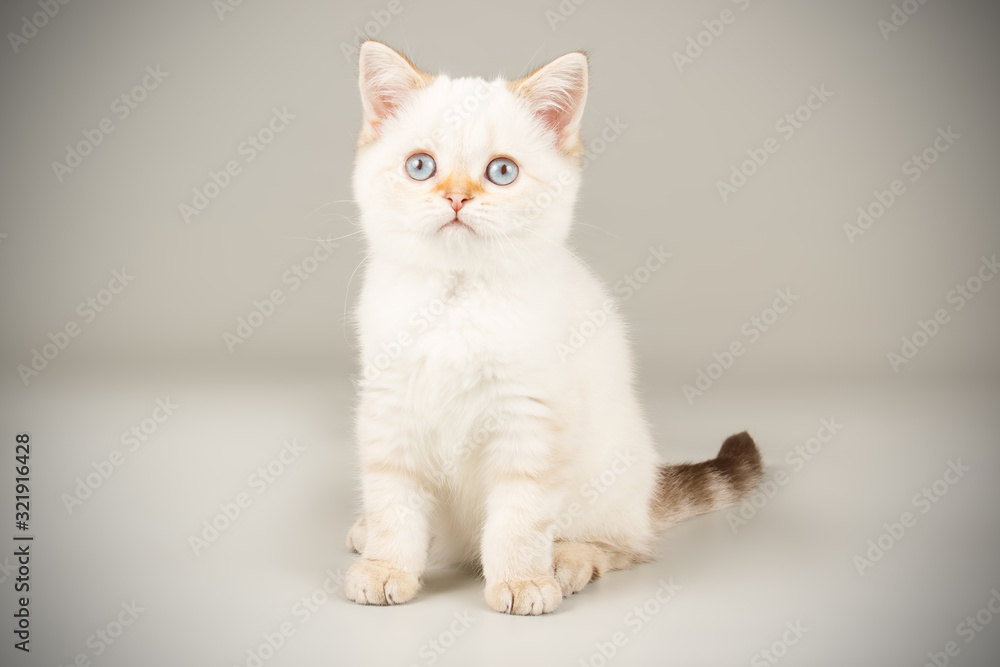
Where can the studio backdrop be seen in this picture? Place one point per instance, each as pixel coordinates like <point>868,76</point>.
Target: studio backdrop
<point>793,203</point>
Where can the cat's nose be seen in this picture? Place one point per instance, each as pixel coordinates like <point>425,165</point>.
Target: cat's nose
<point>457,200</point>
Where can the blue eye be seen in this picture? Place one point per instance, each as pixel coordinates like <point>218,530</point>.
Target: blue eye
<point>501,171</point>
<point>420,166</point>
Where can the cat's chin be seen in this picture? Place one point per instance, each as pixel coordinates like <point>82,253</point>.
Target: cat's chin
<point>456,226</point>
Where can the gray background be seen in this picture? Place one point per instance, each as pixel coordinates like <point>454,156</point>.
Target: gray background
<point>655,184</point>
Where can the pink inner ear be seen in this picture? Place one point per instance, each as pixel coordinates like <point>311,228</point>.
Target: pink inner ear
<point>387,80</point>
<point>384,103</point>
<point>386,93</point>
<point>557,112</point>
<point>557,93</point>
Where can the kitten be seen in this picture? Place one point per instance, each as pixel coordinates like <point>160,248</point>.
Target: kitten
<point>478,438</point>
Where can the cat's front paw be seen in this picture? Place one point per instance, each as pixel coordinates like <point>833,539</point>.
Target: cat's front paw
<point>524,597</point>
<point>368,582</point>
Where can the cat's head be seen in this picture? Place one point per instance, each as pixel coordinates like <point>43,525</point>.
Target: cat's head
<point>467,173</point>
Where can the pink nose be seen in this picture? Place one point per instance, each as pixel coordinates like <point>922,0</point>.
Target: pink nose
<point>457,200</point>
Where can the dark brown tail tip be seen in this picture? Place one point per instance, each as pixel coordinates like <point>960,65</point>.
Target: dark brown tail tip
<point>739,446</point>
<point>740,459</point>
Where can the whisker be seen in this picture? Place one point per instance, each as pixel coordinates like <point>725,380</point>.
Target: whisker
<point>349,220</point>
<point>347,293</point>
<point>330,203</point>
<point>326,240</point>
<point>532,59</point>
<point>513,246</point>
<point>600,229</point>
<point>503,252</point>
<point>567,250</point>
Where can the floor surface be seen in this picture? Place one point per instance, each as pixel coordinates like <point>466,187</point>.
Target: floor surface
<point>874,541</point>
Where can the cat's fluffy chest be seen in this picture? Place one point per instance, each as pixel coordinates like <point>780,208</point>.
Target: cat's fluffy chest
<point>442,350</point>
<point>460,324</point>
<point>465,324</point>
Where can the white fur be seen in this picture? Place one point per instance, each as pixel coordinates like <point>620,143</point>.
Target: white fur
<point>477,399</point>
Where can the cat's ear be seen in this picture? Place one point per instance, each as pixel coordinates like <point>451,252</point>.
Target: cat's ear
<point>556,94</point>
<point>387,80</point>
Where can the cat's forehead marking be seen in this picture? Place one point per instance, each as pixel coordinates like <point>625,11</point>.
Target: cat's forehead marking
<point>465,118</point>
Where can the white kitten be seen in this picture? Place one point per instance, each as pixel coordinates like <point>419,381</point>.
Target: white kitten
<point>476,435</point>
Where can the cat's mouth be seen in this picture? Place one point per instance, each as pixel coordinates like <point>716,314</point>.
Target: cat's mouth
<point>455,223</point>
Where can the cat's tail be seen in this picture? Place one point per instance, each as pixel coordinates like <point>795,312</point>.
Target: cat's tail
<point>689,489</point>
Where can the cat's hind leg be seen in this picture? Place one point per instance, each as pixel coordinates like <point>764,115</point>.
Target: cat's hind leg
<point>357,535</point>
<point>576,564</point>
